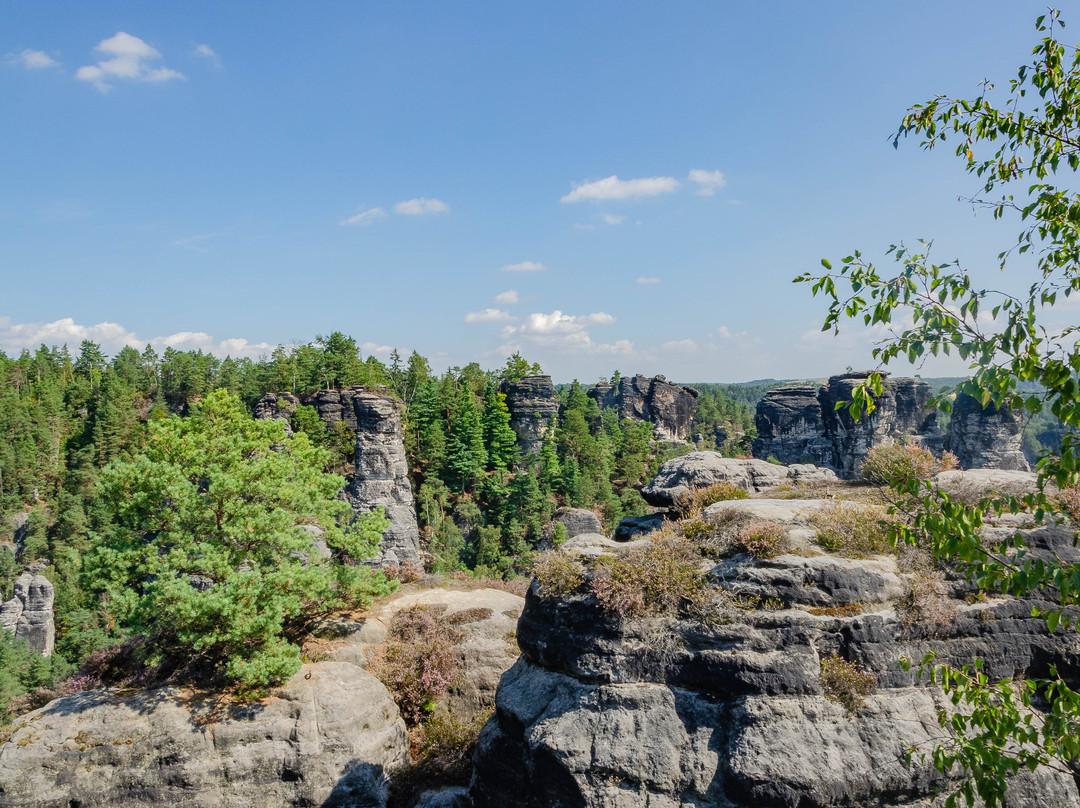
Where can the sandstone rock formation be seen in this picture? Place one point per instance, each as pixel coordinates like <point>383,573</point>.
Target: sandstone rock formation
<point>700,469</point>
<point>986,437</point>
<point>578,521</point>
<point>326,739</point>
<point>791,429</point>
<point>29,614</point>
<point>277,407</point>
<point>631,526</point>
<point>381,474</point>
<point>731,712</point>
<point>667,406</point>
<point>533,405</point>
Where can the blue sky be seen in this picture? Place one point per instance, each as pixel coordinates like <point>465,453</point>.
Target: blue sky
<point>598,185</point>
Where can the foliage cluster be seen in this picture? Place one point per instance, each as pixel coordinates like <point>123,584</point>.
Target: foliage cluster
<point>652,579</point>
<point>903,461</point>
<point>846,683</point>
<point>851,529</point>
<point>441,751</point>
<point>558,573</point>
<point>693,501</point>
<point>762,539</point>
<point>418,664</point>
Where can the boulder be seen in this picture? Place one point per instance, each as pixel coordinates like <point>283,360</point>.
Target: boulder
<point>668,407</point>
<point>327,738</point>
<point>986,437</point>
<point>533,405</point>
<point>593,545</point>
<point>29,613</point>
<point>578,521</point>
<point>974,484</point>
<point>633,526</point>
<point>680,475</point>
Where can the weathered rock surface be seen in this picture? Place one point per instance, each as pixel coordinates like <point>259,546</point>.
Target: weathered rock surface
<point>381,473</point>
<point>277,407</point>
<point>326,739</point>
<point>986,437</point>
<point>701,469</point>
<point>578,521</point>
<point>974,484</point>
<point>730,713</point>
<point>791,429</point>
<point>633,526</point>
<point>486,620</point>
<point>593,545</point>
<point>29,613</point>
<point>667,406</point>
<point>533,405</point>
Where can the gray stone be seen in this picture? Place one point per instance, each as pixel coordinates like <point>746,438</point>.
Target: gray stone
<point>455,797</point>
<point>986,437</point>
<point>578,521</point>
<point>533,405</point>
<point>667,406</point>
<point>327,738</point>
<point>974,484</point>
<point>29,613</point>
<point>680,475</point>
<point>790,427</point>
<point>277,407</point>
<point>633,526</point>
<point>594,545</point>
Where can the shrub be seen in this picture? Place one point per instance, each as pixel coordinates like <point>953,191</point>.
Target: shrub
<point>763,539</point>
<point>655,578</point>
<point>406,572</point>
<point>1068,500</point>
<point>419,665</point>
<point>717,538</point>
<point>846,683</point>
<point>441,749</point>
<point>851,529</point>
<point>926,604</point>
<point>903,461</point>
<point>696,500</point>
<point>558,573</point>
<point>843,610</point>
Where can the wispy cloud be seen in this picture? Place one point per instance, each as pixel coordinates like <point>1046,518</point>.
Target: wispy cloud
<point>128,58</point>
<point>611,218</point>
<point>364,218</point>
<point>31,59</point>
<point>524,266</point>
<point>421,206</point>
<point>567,333</point>
<point>708,182</point>
<point>206,52</point>
<point>507,298</point>
<point>489,316</point>
<point>647,280</point>
<point>614,188</point>
<point>683,346</point>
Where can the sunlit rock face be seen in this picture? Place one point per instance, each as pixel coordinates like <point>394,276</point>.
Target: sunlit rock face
<point>29,613</point>
<point>533,405</point>
<point>986,437</point>
<point>667,406</point>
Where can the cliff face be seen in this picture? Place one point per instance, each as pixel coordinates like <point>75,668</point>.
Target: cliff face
<point>667,406</point>
<point>29,613</point>
<point>791,429</point>
<point>986,437</point>
<point>729,710</point>
<point>533,405</point>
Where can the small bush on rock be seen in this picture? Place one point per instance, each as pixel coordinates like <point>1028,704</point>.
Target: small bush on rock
<point>851,529</point>
<point>656,578</point>
<point>1068,500</point>
<point>716,538</point>
<point>696,500</point>
<point>904,461</point>
<point>441,750</point>
<point>927,604</point>
<point>419,664</point>
<point>762,539</point>
<point>846,683</point>
<point>559,574</point>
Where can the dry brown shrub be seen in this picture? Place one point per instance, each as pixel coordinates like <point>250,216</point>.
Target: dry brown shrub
<point>846,683</point>
<point>763,539</point>
<point>655,578</point>
<point>851,529</point>
<point>927,604</point>
<point>904,461</point>
<point>558,573</point>
<point>694,501</point>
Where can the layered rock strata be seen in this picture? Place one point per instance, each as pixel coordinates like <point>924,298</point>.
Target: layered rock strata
<point>790,427</point>
<point>29,613</point>
<point>986,437</point>
<point>667,406</point>
<point>277,407</point>
<point>533,405</point>
<point>578,521</point>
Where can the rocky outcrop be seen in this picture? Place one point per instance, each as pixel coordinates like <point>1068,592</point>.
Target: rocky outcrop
<point>578,521</point>
<point>326,739</point>
<point>277,407</point>
<point>680,475</point>
<point>730,711</point>
<point>381,474</point>
<point>630,527</point>
<point>986,437</point>
<point>667,406</point>
<point>790,427</point>
<point>533,405</point>
<point>29,614</point>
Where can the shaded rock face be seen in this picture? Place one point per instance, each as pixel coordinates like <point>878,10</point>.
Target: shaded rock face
<point>277,407</point>
<point>667,406</point>
<point>578,521</point>
<point>730,713</point>
<point>791,429</point>
<point>326,739</point>
<point>533,405</point>
<point>985,437</point>
<point>29,614</point>
<point>381,474</point>
<point>680,475</point>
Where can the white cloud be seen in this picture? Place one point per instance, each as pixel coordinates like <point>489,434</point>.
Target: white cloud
<point>421,206</point>
<point>489,316</point>
<point>206,52</point>
<point>580,226</point>
<point>611,218</point>
<point>524,266</point>
<point>129,57</point>
<point>742,339</point>
<point>364,218</point>
<point>32,59</point>
<point>709,182</point>
<point>382,351</point>
<point>559,323</point>
<point>507,298</point>
<point>680,346</point>
<point>14,337</point>
<point>614,188</point>
<point>648,280</point>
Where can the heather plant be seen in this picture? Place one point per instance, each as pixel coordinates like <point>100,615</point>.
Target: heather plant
<point>717,537</point>
<point>850,529</point>
<point>419,664</point>
<point>558,573</point>
<point>441,751</point>
<point>762,539</point>
<point>694,501</point>
<point>904,461</point>
<point>656,578</point>
<point>1068,502</point>
<point>846,683</point>
<point>926,604</point>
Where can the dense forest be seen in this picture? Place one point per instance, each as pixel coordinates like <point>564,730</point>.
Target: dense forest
<point>482,507</point>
